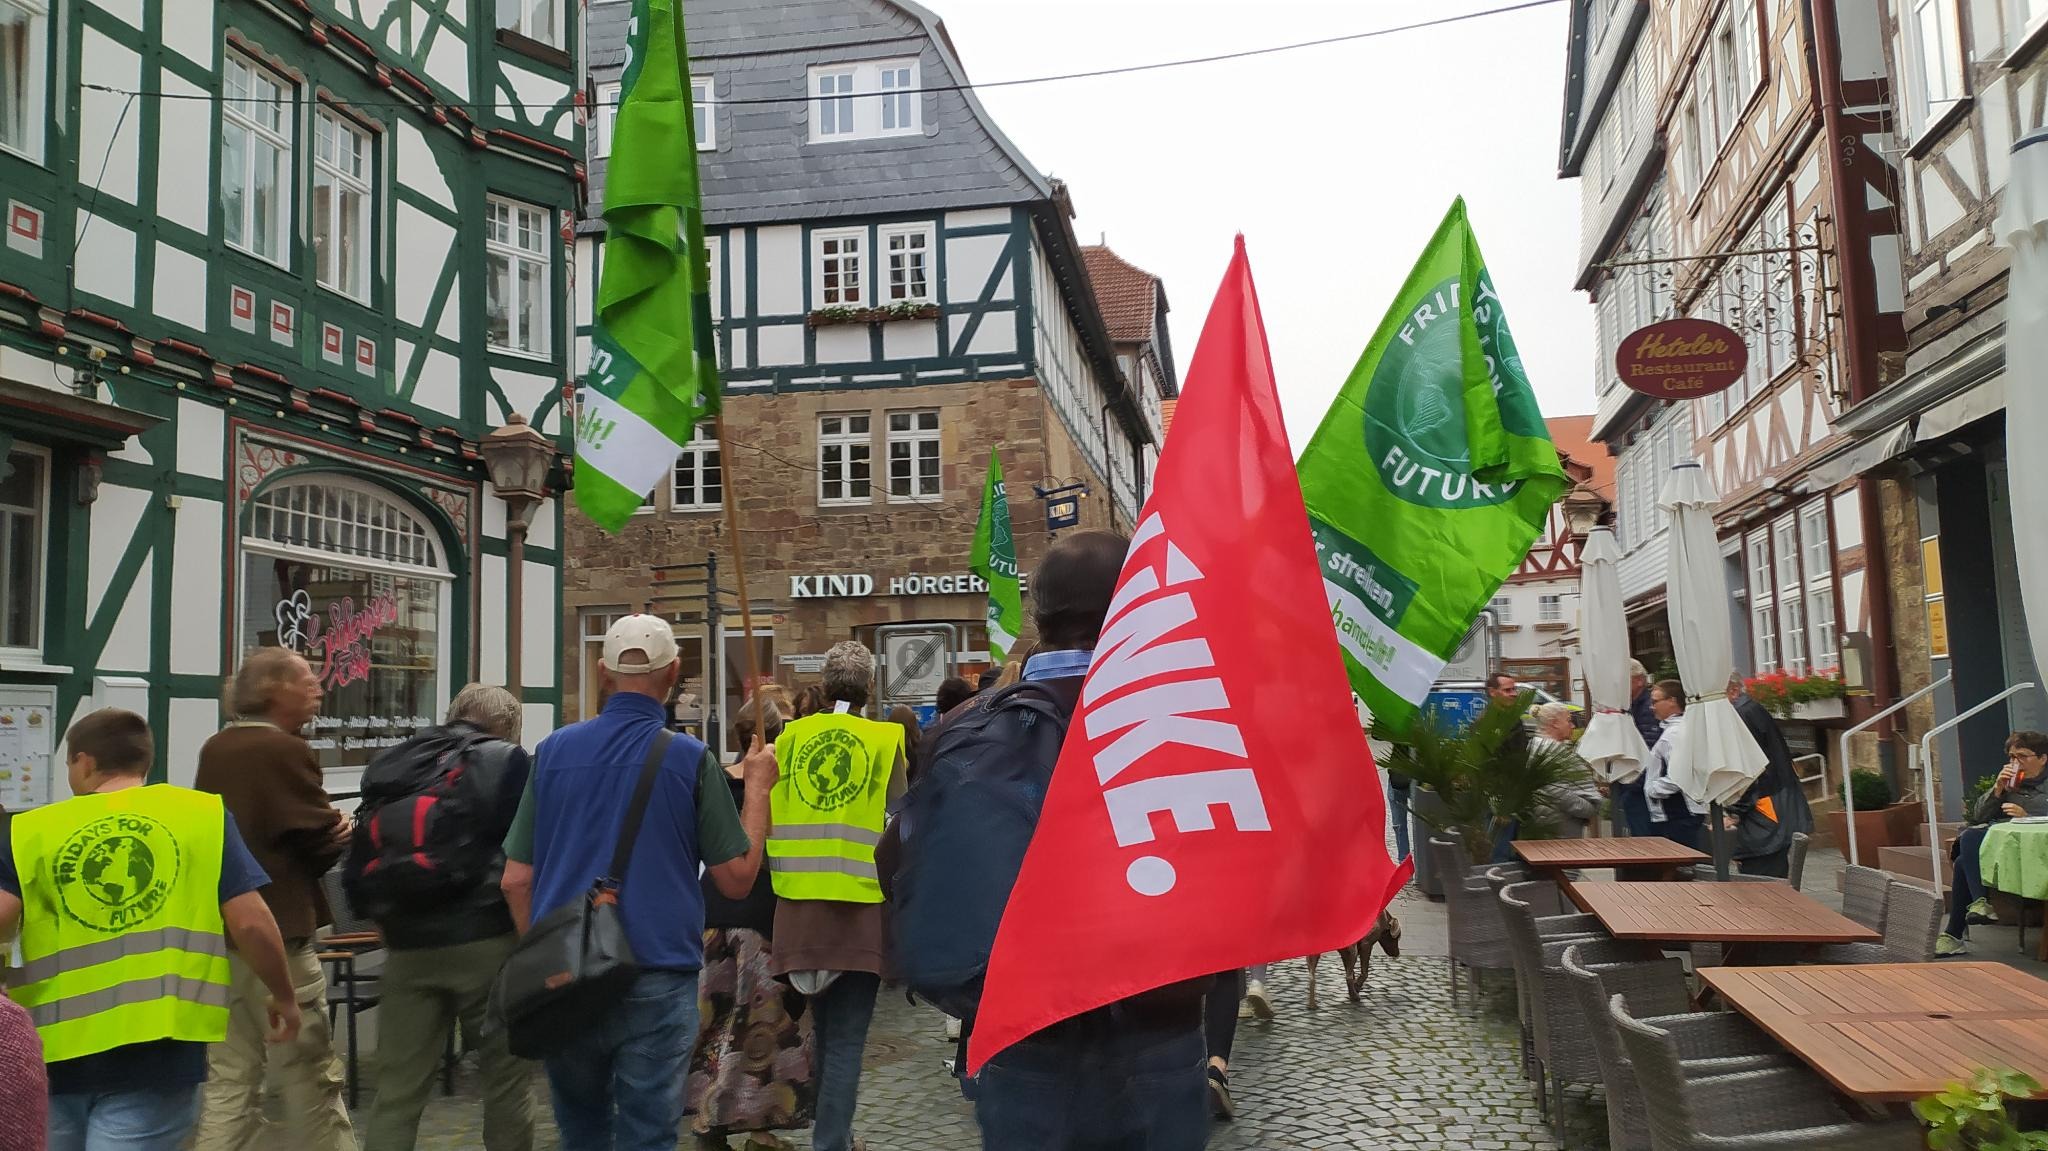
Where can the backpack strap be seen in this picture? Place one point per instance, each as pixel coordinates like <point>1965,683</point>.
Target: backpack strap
<point>636,811</point>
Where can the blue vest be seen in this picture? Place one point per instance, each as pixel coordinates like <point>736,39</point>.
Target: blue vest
<point>583,779</point>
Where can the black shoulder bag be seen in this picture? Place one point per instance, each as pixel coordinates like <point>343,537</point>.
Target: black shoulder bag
<point>574,965</point>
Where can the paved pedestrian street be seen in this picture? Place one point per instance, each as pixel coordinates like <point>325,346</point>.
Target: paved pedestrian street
<point>1403,1069</point>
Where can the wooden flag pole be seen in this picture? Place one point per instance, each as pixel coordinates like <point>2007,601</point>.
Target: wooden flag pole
<point>739,572</point>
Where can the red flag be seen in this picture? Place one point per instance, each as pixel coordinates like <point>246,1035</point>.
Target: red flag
<point>1215,803</point>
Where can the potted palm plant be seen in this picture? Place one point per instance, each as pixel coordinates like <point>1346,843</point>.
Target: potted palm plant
<point>1488,784</point>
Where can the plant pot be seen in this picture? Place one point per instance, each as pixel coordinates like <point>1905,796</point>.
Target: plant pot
<point>1871,833</point>
<point>1820,709</point>
<point>1903,822</point>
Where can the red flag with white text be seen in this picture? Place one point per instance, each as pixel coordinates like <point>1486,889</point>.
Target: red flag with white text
<point>1216,804</point>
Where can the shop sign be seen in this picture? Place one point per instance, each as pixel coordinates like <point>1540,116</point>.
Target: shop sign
<point>804,663</point>
<point>858,585</point>
<point>1681,359</point>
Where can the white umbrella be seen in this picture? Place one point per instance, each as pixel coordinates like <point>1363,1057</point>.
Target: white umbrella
<point>1714,759</point>
<point>2023,227</point>
<point>1611,745</point>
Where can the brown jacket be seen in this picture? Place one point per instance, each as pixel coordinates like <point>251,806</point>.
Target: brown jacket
<point>271,784</point>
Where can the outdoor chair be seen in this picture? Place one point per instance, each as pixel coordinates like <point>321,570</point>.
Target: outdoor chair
<point>1912,921</point>
<point>1478,937</point>
<point>1865,891</point>
<point>1795,860</point>
<point>353,954</point>
<point>1560,1054</point>
<point>1776,1109</point>
<point>1655,990</point>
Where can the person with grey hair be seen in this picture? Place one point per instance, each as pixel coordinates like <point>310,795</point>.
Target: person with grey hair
<point>1572,805</point>
<point>840,771</point>
<point>447,927</point>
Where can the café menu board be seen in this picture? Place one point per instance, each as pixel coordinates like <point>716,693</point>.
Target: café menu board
<point>28,741</point>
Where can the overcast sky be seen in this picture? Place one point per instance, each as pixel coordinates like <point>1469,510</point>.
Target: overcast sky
<point>1336,162</point>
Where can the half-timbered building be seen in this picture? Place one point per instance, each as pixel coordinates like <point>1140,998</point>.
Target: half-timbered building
<point>897,293</point>
<point>268,273</point>
<point>1971,83</point>
<point>1536,612</point>
<point>1700,132</point>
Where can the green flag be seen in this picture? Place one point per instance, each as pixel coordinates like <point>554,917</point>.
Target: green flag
<point>1429,478</point>
<point>653,373</point>
<point>995,561</point>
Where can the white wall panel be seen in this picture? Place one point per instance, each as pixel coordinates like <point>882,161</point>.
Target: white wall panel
<point>107,63</point>
<point>128,645</point>
<point>189,35</point>
<point>193,722</point>
<point>423,246</point>
<point>106,260</point>
<point>910,339</point>
<point>969,260</point>
<point>196,625</point>
<point>780,265</point>
<point>179,291</point>
<point>440,383</point>
<point>781,344</point>
<point>184,179</point>
<point>539,647</point>
<point>491,619</point>
<point>843,344</point>
<point>200,444</point>
<point>115,517</point>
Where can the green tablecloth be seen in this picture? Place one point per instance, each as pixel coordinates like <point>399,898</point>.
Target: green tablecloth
<point>2015,858</point>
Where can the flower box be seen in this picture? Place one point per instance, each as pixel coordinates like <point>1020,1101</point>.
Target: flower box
<point>831,317</point>
<point>1820,709</point>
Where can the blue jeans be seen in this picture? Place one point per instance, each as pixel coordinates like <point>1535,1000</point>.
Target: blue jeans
<point>139,1120</point>
<point>619,1085</point>
<point>1969,880</point>
<point>1397,814</point>
<point>840,1018</point>
<point>1095,1089</point>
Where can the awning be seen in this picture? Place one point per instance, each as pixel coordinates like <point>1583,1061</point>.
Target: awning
<point>1987,398</point>
<point>1859,457</point>
<point>68,416</point>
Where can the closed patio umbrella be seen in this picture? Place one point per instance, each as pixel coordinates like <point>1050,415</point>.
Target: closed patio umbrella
<point>1714,758</point>
<point>2023,227</point>
<point>1611,746</point>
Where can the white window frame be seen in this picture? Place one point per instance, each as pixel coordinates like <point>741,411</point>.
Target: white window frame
<point>607,117</point>
<point>702,455</point>
<point>866,100</point>
<point>593,623</point>
<point>276,247</point>
<point>851,446</point>
<point>1729,95</point>
<point>1763,612</point>
<point>857,295</point>
<point>1748,63</point>
<point>336,177</point>
<point>2024,19</point>
<point>515,254</point>
<point>1790,592</point>
<point>1690,143</point>
<point>832,104</point>
<point>1816,543</point>
<point>1929,97</point>
<point>518,16</point>
<point>704,111</point>
<point>39,515</point>
<point>886,280</point>
<point>714,257</point>
<point>35,82</point>
<point>923,430</point>
<point>1550,609</point>
<point>1503,608</point>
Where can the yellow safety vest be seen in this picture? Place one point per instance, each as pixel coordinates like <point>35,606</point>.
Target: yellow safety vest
<point>122,940</point>
<point>829,805</point>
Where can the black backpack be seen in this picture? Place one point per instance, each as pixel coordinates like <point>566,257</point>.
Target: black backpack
<point>422,834</point>
<point>963,830</point>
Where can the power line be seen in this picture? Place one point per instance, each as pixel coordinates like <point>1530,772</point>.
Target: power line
<point>1091,74</point>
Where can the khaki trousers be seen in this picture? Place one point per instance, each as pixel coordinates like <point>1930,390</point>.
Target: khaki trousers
<point>309,1072</point>
<point>422,994</point>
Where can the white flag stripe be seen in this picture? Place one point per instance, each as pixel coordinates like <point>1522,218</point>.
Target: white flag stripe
<point>635,453</point>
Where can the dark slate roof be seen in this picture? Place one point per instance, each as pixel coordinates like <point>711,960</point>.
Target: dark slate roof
<point>765,169</point>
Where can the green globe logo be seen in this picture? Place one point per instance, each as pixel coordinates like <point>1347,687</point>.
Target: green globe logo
<point>117,872</point>
<point>831,768</point>
<point>1415,402</point>
<point>117,869</point>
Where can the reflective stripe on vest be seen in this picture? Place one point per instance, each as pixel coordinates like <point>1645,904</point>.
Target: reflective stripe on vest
<point>122,939</point>
<point>828,806</point>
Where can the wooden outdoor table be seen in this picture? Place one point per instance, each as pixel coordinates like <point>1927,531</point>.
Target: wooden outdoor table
<point>1739,914</point>
<point>1895,1032</point>
<point>1645,853</point>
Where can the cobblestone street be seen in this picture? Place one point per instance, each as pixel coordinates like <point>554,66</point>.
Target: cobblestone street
<point>1404,1068</point>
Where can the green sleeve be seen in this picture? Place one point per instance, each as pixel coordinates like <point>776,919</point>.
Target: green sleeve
<point>519,840</point>
<point>719,834</point>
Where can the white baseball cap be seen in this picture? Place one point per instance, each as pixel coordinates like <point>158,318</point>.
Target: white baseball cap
<point>639,644</point>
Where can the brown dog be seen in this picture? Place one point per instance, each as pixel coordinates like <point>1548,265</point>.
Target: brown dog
<point>1357,958</point>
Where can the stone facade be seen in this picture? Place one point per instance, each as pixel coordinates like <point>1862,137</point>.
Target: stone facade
<point>788,534</point>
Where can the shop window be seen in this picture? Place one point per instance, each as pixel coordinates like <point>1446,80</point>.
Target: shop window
<point>699,484</point>
<point>256,164</point>
<point>24,62</point>
<point>24,547</point>
<point>845,458</point>
<point>913,456</point>
<point>352,578</point>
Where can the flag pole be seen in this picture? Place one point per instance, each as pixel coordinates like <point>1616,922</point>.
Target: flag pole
<point>739,572</point>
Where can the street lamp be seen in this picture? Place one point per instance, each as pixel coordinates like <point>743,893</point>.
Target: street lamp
<point>1582,508</point>
<point>517,458</point>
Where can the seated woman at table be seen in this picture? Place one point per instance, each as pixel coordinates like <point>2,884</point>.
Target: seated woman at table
<point>2021,789</point>
<point>1672,813</point>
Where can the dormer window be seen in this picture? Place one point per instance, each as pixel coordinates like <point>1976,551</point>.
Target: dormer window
<point>866,100</point>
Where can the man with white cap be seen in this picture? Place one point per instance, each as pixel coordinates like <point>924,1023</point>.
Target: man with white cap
<point>618,1083</point>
